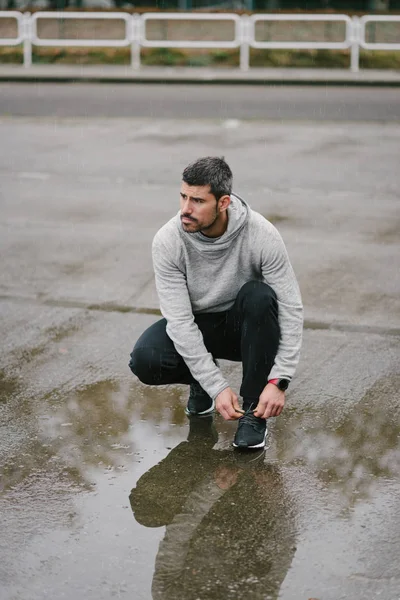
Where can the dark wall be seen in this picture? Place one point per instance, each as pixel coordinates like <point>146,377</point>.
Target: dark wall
<point>318,5</point>
<point>258,5</point>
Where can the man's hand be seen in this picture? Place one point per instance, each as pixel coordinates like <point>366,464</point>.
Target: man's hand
<point>271,402</point>
<point>225,477</point>
<point>227,405</point>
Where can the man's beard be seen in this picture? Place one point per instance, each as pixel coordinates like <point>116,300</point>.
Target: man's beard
<point>201,228</point>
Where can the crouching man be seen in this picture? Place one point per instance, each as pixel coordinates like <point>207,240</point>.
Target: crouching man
<point>226,290</point>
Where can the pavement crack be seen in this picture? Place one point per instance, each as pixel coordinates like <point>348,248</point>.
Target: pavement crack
<point>351,327</point>
<point>125,308</point>
<point>372,577</point>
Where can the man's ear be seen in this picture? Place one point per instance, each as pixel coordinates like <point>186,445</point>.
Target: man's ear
<point>224,202</point>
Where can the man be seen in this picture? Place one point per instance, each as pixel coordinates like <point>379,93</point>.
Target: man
<point>226,290</point>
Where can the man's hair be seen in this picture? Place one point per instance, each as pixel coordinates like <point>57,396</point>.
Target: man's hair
<point>212,171</point>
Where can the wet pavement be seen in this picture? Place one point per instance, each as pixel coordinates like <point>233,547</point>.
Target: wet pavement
<point>107,490</point>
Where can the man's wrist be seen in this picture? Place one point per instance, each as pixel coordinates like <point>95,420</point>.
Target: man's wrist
<point>281,384</point>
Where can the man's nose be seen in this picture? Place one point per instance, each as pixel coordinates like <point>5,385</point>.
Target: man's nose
<point>186,207</point>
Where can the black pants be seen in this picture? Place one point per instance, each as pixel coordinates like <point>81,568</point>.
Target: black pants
<point>247,332</point>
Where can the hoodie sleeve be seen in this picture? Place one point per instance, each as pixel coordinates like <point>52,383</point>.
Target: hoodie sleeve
<point>277,272</point>
<point>176,307</point>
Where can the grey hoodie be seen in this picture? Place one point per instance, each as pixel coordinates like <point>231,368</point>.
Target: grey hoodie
<point>196,274</point>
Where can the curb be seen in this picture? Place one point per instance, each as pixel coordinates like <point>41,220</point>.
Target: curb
<point>273,77</point>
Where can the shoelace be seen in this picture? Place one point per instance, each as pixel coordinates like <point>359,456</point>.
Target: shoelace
<point>249,418</point>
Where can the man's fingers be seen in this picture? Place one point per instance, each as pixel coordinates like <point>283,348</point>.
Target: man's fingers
<point>233,413</point>
<point>223,413</point>
<point>268,411</point>
<point>228,413</point>
<point>260,411</point>
<point>237,407</point>
<point>227,405</point>
<point>271,403</point>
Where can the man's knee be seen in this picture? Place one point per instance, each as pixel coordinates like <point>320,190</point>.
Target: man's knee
<point>155,366</point>
<point>144,363</point>
<point>257,297</point>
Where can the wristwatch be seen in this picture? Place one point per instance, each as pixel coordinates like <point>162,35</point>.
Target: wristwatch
<point>281,384</point>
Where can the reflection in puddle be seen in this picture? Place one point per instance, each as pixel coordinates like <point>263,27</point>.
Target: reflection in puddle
<point>229,523</point>
<point>96,426</point>
<point>63,436</point>
<point>353,448</point>
<point>92,426</point>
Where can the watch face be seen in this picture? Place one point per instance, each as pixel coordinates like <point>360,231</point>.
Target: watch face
<point>283,384</point>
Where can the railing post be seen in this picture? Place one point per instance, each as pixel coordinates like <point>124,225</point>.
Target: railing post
<point>355,46</point>
<point>136,36</point>
<point>244,43</point>
<point>27,35</point>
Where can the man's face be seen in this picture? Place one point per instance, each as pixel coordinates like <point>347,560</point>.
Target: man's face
<point>199,208</point>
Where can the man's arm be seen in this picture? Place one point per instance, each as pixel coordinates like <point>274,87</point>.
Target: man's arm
<point>278,273</point>
<point>176,307</point>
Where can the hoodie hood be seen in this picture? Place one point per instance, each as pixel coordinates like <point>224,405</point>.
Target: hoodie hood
<point>238,215</point>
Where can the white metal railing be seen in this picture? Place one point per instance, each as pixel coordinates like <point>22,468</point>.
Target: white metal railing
<point>191,43</point>
<point>346,43</point>
<point>244,33</point>
<point>377,45</point>
<point>34,39</point>
<point>117,16</point>
<point>223,44</point>
<point>20,19</point>
<point>341,45</point>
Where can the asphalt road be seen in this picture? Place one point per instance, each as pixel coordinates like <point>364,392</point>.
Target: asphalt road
<point>200,101</point>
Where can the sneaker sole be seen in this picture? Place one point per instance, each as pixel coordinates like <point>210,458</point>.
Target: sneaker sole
<point>200,414</point>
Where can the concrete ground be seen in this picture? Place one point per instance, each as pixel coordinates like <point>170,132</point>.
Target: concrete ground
<point>102,495</point>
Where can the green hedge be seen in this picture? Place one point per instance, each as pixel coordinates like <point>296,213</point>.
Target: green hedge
<point>229,58</point>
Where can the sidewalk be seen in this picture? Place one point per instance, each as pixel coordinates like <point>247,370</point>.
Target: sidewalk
<point>255,76</point>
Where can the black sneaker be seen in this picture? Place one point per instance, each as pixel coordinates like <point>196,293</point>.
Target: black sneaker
<point>199,403</point>
<point>251,432</point>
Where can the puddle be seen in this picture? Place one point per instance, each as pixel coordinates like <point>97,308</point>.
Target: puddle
<point>115,461</point>
<point>114,474</point>
<point>93,427</point>
<point>352,449</point>
<point>229,523</point>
